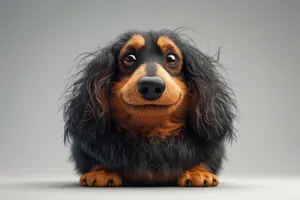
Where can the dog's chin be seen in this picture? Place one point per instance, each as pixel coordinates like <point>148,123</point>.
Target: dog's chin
<point>151,109</point>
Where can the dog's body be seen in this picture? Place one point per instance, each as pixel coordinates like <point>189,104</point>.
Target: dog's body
<point>149,109</point>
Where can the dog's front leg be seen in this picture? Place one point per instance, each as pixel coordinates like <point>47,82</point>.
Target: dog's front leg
<point>100,177</point>
<point>198,176</point>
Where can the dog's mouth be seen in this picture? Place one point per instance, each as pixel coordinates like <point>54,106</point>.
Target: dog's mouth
<point>147,106</point>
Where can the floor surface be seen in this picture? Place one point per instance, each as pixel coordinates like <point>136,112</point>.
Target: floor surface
<point>230,188</point>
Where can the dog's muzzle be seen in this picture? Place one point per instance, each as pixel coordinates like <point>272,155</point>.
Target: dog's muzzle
<point>151,88</point>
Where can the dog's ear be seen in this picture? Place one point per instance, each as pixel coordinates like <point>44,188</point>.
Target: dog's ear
<point>86,111</point>
<point>212,107</point>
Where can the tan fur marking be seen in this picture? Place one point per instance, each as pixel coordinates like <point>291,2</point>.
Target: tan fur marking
<point>100,178</point>
<point>166,45</point>
<point>137,42</point>
<point>164,117</point>
<point>198,176</point>
<point>132,97</point>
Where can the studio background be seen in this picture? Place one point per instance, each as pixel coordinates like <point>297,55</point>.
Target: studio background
<point>259,41</point>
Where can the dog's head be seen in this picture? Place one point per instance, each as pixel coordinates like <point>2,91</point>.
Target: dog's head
<point>150,83</point>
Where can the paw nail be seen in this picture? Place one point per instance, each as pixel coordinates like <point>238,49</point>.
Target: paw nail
<point>188,183</point>
<point>205,183</point>
<point>83,183</point>
<point>110,182</point>
<point>94,183</point>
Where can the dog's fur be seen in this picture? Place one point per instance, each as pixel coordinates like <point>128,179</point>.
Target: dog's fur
<point>109,124</point>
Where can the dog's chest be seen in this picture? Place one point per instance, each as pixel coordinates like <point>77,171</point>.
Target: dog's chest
<point>159,159</point>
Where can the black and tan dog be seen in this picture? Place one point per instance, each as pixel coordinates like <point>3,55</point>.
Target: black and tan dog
<point>149,109</point>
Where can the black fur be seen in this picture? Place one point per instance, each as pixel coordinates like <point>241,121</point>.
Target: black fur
<point>95,140</point>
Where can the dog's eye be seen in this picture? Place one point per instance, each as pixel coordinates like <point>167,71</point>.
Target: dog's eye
<point>129,60</point>
<point>171,60</point>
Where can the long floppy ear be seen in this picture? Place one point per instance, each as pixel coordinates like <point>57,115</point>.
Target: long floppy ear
<point>213,107</point>
<point>86,112</point>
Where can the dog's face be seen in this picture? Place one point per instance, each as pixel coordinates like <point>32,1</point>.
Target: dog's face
<point>151,76</point>
<point>150,82</point>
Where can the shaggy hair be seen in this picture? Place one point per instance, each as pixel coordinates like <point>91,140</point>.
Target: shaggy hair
<point>96,139</point>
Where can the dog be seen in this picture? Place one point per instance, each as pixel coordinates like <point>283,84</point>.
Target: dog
<point>149,109</point>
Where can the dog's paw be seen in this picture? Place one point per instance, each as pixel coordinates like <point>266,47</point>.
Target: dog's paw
<point>100,178</point>
<point>198,179</point>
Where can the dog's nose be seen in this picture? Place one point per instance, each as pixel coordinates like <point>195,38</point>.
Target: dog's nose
<point>151,88</point>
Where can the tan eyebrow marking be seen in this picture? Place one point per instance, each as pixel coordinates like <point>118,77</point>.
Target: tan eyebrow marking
<point>166,44</point>
<point>137,42</point>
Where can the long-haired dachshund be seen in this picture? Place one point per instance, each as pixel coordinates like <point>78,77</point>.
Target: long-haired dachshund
<point>149,109</point>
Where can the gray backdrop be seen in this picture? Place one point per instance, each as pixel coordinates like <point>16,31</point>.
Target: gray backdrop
<point>39,41</point>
